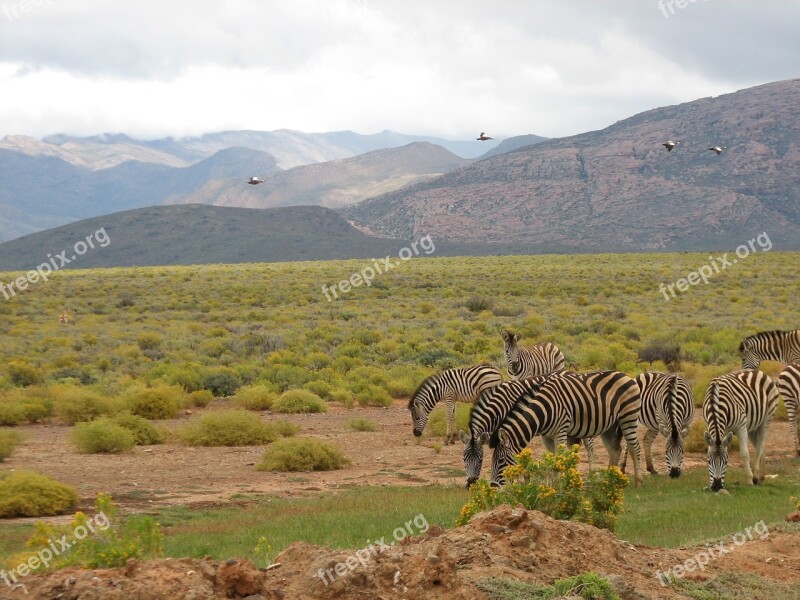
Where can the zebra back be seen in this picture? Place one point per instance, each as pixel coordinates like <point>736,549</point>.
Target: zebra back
<point>667,402</point>
<point>493,404</point>
<point>585,404</point>
<point>741,398</point>
<point>783,346</point>
<point>523,363</point>
<point>789,385</point>
<point>464,383</point>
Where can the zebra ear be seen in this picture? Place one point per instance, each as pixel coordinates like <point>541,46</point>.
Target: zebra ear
<point>709,439</point>
<point>726,441</point>
<point>663,431</point>
<point>517,337</point>
<point>503,437</point>
<point>484,437</point>
<point>464,437</point>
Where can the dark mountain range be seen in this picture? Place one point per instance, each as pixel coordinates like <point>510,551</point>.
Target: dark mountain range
<point>619,188</point>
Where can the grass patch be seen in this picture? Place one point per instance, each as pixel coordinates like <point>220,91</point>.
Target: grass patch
<point>102,436</point>
<point>299,401</point>
<point>733,586</point>
<point>30,494</point>
<point>361,425</point>
<point>227,428</point>
<point>143,431</point>
<point>302,454</point>
<point>651,511</point>
<point>257,397</point>
<point>9,440</point>
<point>437,423</point>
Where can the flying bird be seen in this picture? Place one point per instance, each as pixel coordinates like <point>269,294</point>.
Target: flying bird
<point>669,145</point>
<point>255,181</point>
<point>483,137</point>
<point>717,149</point>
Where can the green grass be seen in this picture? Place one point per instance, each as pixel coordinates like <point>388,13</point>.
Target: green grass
<point>652,510</point>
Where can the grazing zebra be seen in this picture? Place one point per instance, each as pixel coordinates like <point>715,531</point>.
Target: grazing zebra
<point>789,388</point>
<point>572,405</point>
<point>742,402</point>
<point>668,409</point>
<point>490,409</point>
<point>523,363</point>
<point>451,385</point>
<point>783,346</point>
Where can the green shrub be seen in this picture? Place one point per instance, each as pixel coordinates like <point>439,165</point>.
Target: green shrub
<point>23,374</point>
<point>372,395</point>
<point>148,340</point>
<point>29,494</point>
<point>222,382</point>
<point>437,423</point>
<point>228,428</point>
<point>74,404</point>
<point>696,439</point>
<point>9,440</point>
<point>144,433</point>
<point>344,396</point>
<point>11,413</point>
<point>285,428</point>
<point>200,398</point>
<point>478,304</point>
<point>321,388</point>
<point>299,401</point>
<point>361,425</point>
<point>302,454</point>
<point>256,397</point>
<point>102,436</point>
<point>159,402</point>
<point>112,540</point>
<point>553,486</point>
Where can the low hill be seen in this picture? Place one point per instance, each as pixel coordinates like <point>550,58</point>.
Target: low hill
<point>514,143</point>
<point>618,188</point>
<point>333,183</point>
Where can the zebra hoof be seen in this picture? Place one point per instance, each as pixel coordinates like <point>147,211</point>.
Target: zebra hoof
<point>652,470</point>
<point>756,481</point>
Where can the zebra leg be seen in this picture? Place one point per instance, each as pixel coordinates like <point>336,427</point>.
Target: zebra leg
<point>649,437</point>
<point>549,444</point>
<point>792,412</point>
<point>759,439</point>
<point>632,438</point>
<point>450,435</point>
<point>744,454</point>
<point>612,441</point>
<point>590,452</point>
<point>623,459</point>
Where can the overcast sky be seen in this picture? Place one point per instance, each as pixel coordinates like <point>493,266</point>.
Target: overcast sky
<point>449,68</point>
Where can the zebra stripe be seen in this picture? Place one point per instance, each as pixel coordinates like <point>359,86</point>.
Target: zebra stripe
<point>742,402</point>
<point>460,384</point>
<point>490,409</point>
<point>572,405</point>
<point>668,409</point>
<point>789,387</point>
<point>524,363</point>
<point>783,346</point>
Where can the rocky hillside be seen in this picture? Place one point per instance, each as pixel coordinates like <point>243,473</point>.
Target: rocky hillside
<point>618,189</point>
<point>333,183</point>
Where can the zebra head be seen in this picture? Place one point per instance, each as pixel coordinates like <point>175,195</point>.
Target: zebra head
<point>510,347</point>
<point>473,454</point>
<point>422,402</point>
<point>674,451</point>
<point>717,459</point>
<point>751,358</point>
<point>503,456</point>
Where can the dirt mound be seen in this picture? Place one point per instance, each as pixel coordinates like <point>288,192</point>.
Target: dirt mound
<point>506,542</point>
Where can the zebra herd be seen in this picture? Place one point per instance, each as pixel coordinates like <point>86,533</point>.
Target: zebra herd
<point>566,407</point>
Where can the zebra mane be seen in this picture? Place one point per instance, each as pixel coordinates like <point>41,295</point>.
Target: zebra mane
<point>713,406</point>
<point>673,390</point>
<point>427,383</point>
<point>494,439</point>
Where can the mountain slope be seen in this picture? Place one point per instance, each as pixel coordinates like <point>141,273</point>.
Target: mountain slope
<point>333,183</point>
<point>618,188</point>
<point>514,143</point>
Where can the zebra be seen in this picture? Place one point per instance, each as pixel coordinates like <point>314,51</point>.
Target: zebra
<point>742,402</point>
<point>789,387</point>
<point>668,409</point>
<point>490,409</point>
<point>783,346</point>
<point>572,405</point>
<point>523,363</point>
<point>463,384</point>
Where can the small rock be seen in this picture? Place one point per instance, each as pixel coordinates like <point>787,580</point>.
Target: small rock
<point>495,528</point>
<point>187,412</point>
<point>793,517</point>
<point>255,597</point>
<point>433,559</point>
<point>249,464</point>
<point>520,541</point>
<point>230,562</point>
<point>724,492</point>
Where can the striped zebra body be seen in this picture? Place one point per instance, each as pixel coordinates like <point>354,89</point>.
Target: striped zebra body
<point>789,387</point>
<point>524,363</point>
<point>668,409</point>
<point>742,402</point>
<point>461,384</point>
<point>783,346</point>
<point>572,405</point>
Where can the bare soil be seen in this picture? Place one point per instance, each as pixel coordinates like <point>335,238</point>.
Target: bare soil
<point>508,542</point>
